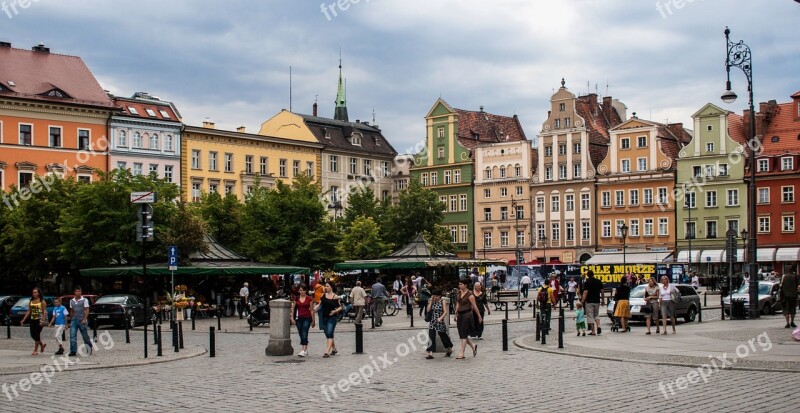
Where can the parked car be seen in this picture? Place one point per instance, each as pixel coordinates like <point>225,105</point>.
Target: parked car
<point>21,307</point>
<point>118,309</point>
<point>686,308</point>
<point>768,302</point>
<point>6,302</point>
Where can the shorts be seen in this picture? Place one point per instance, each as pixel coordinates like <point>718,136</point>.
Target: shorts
<point>789,305</point>
<point>668,309</point>
<point>580,326</point>
<point>592,311</point>
<point>653,314</point>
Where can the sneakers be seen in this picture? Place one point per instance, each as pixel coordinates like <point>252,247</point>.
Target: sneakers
<point>303,353</point>
<point>793,324</point>
<point>72,354</point>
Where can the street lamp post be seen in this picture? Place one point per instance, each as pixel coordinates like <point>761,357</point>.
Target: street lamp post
<point>690,232</point>
<point>517,252</point>
<point>543,239</point>
<point>738,55</point>
<point>623,230</point>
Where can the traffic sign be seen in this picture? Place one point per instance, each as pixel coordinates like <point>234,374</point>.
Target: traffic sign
<point>173,258</point>
<point>143,197</point>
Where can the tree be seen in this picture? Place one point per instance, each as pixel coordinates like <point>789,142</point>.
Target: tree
<point>362,241</point>
<point>223,218</point>
<point>361,203</point>
<point>186,231</point>
<point>439,240</point>
<point>418,210</point>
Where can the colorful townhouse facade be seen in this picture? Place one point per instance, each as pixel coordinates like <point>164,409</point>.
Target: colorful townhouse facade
<point>53,117</point>
<point>571,145</point>
<point>711,194</point>
<point>231,162</point>
<point>502,200</point>
<point>635,186</point>
<point>146,137</point>
<point>446,164</point>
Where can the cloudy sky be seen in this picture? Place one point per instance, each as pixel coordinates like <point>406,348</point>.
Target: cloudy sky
<point>229,60</point>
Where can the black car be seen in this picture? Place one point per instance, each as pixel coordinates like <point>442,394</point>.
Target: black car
<point>6,302</point>
<point>118,309</point>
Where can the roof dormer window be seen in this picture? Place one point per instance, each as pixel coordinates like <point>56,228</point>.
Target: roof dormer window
<point>355,140</point>
<point>150,112</point>
<point>56,93</point>
<point>133,110</point>
<point>164,114</point>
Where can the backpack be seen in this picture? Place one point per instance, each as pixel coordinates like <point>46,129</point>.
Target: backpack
<point>542,296</point>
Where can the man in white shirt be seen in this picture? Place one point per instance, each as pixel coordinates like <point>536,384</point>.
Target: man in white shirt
<point>525,283</point>
<point>396,287</point>
<point>244,294</point>
<point>358,298</point>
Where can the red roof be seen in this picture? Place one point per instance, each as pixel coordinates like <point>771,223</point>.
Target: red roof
<point>50,77</point>
<point>598,122</point>
<point>139,108</point>
<point>736,128</point>
<point>784,124</point>
<point>480,128</point>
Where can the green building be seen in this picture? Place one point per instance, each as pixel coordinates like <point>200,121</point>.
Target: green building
<point>446,165</point>
<point>710,192</point>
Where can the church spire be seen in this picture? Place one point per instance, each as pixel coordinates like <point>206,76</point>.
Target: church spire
<point>341,96</point>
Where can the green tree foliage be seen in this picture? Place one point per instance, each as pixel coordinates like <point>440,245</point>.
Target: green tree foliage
<point>223,218</point>
<point>418,210</point>
<point>187,231</point>
<point>362,241</point>
<point>361,203</point>
<point>439,240</point>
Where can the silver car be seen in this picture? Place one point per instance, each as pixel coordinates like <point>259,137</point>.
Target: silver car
<point>768,302</point>
<point>687,307</point>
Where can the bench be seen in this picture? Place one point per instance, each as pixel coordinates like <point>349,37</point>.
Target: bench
<point>504,297</point>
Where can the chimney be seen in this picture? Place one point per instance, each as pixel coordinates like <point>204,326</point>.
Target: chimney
<point>241,129</point>
<point>208,124</point>
<point>314,109</point>
<point>677,130</point>
<point>5,44</point>
<point>41,48</point>
<point>608,110</point>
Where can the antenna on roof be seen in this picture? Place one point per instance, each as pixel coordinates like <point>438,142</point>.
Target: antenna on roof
<point>607,87</point>
<point>588,87</point>
<point>373,115</point>
<point>290,88</point>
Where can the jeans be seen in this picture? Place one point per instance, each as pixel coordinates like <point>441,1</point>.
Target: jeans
<point>74,326</point>
<point>380,302</point>
<point>303,325</point>
<point>329,325</point>
<point>442,335</point>
<point>423,308</point>
<point>571,299</point>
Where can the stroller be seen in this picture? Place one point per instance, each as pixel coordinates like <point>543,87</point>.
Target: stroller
<point>617,323</point>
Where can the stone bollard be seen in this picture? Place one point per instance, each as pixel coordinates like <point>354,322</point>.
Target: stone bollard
<point>280,343</point>
<point>439,346</point>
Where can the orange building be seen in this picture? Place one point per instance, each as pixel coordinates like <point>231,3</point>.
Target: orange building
<point>635,187</point>
<point>53,117</point>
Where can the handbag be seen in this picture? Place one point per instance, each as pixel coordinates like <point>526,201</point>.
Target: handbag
<point>429,317</point>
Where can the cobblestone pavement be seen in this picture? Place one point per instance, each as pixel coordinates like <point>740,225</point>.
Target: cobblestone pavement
<point>242,378</point>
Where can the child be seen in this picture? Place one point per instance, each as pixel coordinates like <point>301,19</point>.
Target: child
<point>580,319</point>
<point>60,314</point>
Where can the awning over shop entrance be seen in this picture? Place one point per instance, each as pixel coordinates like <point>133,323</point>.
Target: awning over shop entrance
<point>787,255</point>
<point>639,257</point>
<point>766,254</point>
<point>739,255</point>
<point>684,256</point>
<point>713,256</point>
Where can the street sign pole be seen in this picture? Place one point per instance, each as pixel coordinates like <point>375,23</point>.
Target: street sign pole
<point>172,262</point>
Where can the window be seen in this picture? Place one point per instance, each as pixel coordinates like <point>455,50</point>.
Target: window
<point>576,171</point>
<point>295,168</point>
<point>137,140</point>
<point>734,225</point>
<point>697,171</point>
<point>619,198</point>
<point>248,164</point>
<point>519,191</point>
<point>562,107</point>
<point>520,212</point>
<point>626,165</point>
<point>487,239</point>
<point>648,227</point>
<point>440,152</point>
<point>150,112</point>
<point>137,168</point>
<point>447,177</point>
<point>503,238</point>
<point>586,230</point>
<point>454,234</point>
<point>463,202</point>
<point>213,188</point>
<point>662,196</point>
<point>570,231</point>
<point>503,213</point>
<point>641,142</point>
<point>424,179</point>
<point>502,171</point>
<point>503,192</point>
<point>83,139</point>
<point>711,229</point>
<point>401,184</point>
<point>733,197</point>
<point>353,166</point>
<point>154,141</point>
<point>569,202</point>
<point>355,140</point>
<point>641,164</point>
<point>164,113</point>
<point>709,170</point>
<point>548,150</point>
<point>691,200</point>
<point>633,194</point>
<point>453,203</point>
<point>634,228</point>
<point>212,161</point>
<point>517,170</point>
<point>710,147</point>
<point>625,143</point>
<point>663,227</point>
<point>25,136</point>
<point>487,193</point>
<point>440,131</point>
<point>709,128</point>
<point>711,199</point>
<point>618,227</point>
<point>576,147</point>
<point>520,237</point>
<point>562,171</point>
<point>443,200</point>
<point>567,122</point>
<point>133,110</point>
<point>195,192</point>
<point>605,199</point>
<point>168,173</point>
<point>763,165</point>
<point>368,167</point>
<point>691,230</point>
<point>310,168</point>
<point>763,195</point>
<point>195,159</point>
<point>787,163</point>
<point>585,202</point>
<point>787,193</point>
<point>539,204</point>
<point>228,189</point>
<point>462,234</point>
<point>540,232</point>
<point>85,178</point>
<point>282,168</point>
<point>562,149</point>
<point>457,176</point>
<point>122,165</point>
<point>384,169</point>
<point>788,223</point>
<point>606,229</point>
<point>153,169</point>
<point>548,173</point>
<point>487,173</point>
<point>262,165</point>
<point>228,162</point>
<point>555,205</point>
<point>648,196</point>
<point>25,179</point>
<point>333,163</point>
<point>763,224</point>
<point>557,123</point>
<point>487,214</point>
<point>723,169</point>
<point>122,139</point>
<point>556,232</point>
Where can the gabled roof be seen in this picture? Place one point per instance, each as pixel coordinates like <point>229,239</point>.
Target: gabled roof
<point>216,252</point>
<point>597,125</point>
<point>736,128</point>
<point>785,124</point>
<point>335,134</point>
<point>35,73</point>
<point>418,248</point>
<point>480,128</point>
<point>140,107</point>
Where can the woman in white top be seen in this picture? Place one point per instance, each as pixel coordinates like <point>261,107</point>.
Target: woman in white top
<point>572,288</point>
<point>695,281</point>
<point>667,295</point>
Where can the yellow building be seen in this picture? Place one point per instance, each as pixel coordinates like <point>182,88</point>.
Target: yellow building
<point>226,162</point>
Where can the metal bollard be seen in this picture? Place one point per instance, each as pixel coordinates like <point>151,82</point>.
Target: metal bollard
<point>8,329</point>
<point>193,320</point>
<point>180,334</point>
<point>128,332</point>
<point>175,336</point>
<point>94,331</point>
<point>359,339</point>
<point>412,314</point>
<point>211,342</point>
<point>219,321</point>
<point>248,322</point>
<point>721,308</point>
<point>705,299</point>
<point>506,311</point>
<point>158,342</point>
<point>545,327</point>
<point>505,335</point>
<point>372,317</point>
<point>561,328</point>
<point>538,330</point>
<point>155,336</point>
<point>145,339</point>
<point>700,315</point>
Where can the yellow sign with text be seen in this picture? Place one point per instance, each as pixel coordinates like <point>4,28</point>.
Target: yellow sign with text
<point>613,273</point>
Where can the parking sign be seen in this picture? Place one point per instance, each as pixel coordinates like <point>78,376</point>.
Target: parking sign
<point>172,252</point>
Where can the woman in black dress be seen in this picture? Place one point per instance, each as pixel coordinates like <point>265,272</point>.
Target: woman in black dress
<point>438,312</point>
<point>483,306</point>
<point>466,314</point>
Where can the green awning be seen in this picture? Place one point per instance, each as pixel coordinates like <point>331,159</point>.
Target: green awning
<point>197,269</point>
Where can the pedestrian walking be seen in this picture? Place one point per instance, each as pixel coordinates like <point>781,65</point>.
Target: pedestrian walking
<point>330,305</point>
<point>79,316</point>
<point>424,294</point>
<point>409,292</point>
<point>695,281</point>
<point>483,307</point>
<point>651,304</point>
<point>502,279</point>
<point>555,285</point>
<point>244,295</point>
<point>623,308</point>
<point>545,299</point>
<point>667,296</point>
<point>466,312</point>
<point>438,313</point>
<point>397,286</point>
<point>37,312</point>
<point>572,288</point>
<point>319,291</point>
<point>580,320</point>
<point>592,289</point>
<point>525,285</point>
<point>358,297</point>
<point>303,316</point>
<point>495,286</point>
<point>379,296</point>
<point>59,317</point>
<point>788,295</point>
